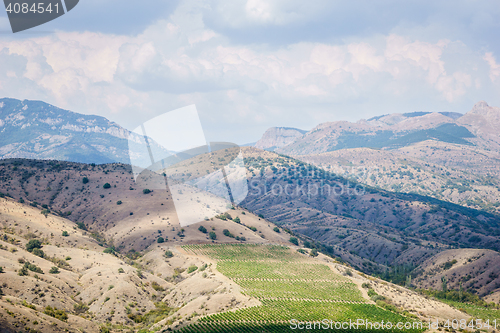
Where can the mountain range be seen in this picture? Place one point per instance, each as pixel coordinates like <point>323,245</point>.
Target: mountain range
<point>478,127</point>
<point>37,130</point>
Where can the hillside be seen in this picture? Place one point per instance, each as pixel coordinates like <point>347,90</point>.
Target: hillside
<point>379,226</point>
<point>412,171</point>
<point>172,286</point>
<point>37,130</point>
<point>369,229</point>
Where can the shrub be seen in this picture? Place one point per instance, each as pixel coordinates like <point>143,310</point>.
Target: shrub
<point>54,270</point>
<point>294,240</point>
<point>110,250</point>
<point>80,308</point>
<point>33,244</point>
<point>191,269</point>
<point>45,212</point>
<point>169,254</point>
<point>160,240</point>
<point>33,268</point>
<point>366,285</point>
<point>261,216</point>
<point>119,202</point>
<point>120,270</point>
<point>313,253</point>
<point>23,271</point>
<point>107,185</point>
<point>237,219</point>
<point>276,229</point>
<point>104,329</point>
<point>202,229</point>
<point>85,180</point>
<point>1,269</point>
<point>65,233</point>
<point>302,251</point>
<point>156,286</point>
<point>146,191</point>
<point>139,273</point>
<point>81,225</point>
<point>38,252</point>
<point>252,228</point>
<point>212,235</point>
<point>54,312</point>
<point>227,233</point>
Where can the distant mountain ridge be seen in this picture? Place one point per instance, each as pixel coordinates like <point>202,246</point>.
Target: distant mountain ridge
<point>279,137</point>
<point>480,127</point>
<point>37,130</point>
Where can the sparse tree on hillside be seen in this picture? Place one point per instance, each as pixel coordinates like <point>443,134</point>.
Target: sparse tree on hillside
<point>33,244</point>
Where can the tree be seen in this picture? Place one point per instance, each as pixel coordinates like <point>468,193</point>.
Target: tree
<point>33,244</point>
<point>276,229</point>
<point>107,185</point>
<point>160,240</point>
<point>313,253</point>
<point>212,235</point>
<point>119,202</point>
<point>169,254</point>
<point>444,283</point>
<point>146,191</point>
<point>45,212</point>
<point>237,219</point>
<point>65,233</point>
<point>202,229</point>
<point>81,225</point>
<point>294,240</point>
<point>54,270</point>
<point>85,180</point>
<point>38,252</point>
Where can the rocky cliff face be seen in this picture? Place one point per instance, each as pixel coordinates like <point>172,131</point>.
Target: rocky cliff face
<point>479,127</point>
<point>37,130</point>
<point>278,137</point>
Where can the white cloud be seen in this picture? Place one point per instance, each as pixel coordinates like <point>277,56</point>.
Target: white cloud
<point>237,87</point>
<point>494,67</point>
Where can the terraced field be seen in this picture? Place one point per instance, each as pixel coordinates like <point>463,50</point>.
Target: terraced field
<point>290,286</point>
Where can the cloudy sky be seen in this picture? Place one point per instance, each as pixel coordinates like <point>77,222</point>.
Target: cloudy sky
<point>249,65</point>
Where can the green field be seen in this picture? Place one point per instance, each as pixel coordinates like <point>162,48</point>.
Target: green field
<point>289,286</point>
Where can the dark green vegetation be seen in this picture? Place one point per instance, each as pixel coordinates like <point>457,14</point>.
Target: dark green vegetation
<point>289,288</point>
<point>468,303</point>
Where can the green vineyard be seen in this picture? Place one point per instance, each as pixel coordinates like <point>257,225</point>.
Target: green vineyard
<point>292,289</point>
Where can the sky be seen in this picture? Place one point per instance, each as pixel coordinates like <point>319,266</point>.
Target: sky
<point>249,65</point>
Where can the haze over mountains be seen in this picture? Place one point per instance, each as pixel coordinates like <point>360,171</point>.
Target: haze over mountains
<point>479,127</point>
<point>37,130</point>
